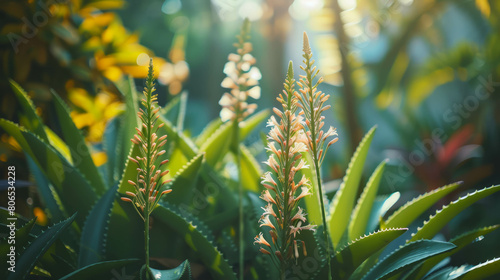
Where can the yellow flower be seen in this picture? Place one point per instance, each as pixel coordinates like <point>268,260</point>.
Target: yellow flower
<point>94,112</point>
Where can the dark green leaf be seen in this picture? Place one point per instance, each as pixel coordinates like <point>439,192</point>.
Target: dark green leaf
<point>26,262</point>
<point>93,235</point>
<point>406,257</point>
<point>80,153</point>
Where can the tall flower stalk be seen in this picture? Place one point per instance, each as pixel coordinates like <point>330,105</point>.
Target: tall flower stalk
<point>282,215</point>
<point>312,105</point>
<point>148,189</point>
<point>242,82</point>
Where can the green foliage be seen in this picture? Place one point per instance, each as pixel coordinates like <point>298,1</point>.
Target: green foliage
<point>407,256</point>
<point>183,271</point>
<point>197,223</point>
<point>347,259</point>
<point>94,231</point>
<point>36,249</point>
<point>448,212</point>
<point>361,213</point>
<point>75,141</point>
<point>98,270</point>
<point>343,202</point>
<point>407,213</point>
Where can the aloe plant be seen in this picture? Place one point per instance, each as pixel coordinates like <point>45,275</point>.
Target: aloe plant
<point>194,232</point>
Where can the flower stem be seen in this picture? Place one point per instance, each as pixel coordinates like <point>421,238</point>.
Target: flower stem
<point>146,242</point>
<point>149,120</point>
<point>236,142</point>
<point>325,225</point>
<point>316,160</point>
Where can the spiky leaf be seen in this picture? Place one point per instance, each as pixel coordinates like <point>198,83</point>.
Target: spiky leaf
<point>49,196</point>
<point>460,241</point>
<point>80,153</point>
<point>93,235</point>
<point>406,257</point>
<point>32,121</point>
<point>343,202</point>
<point>210,256</point>
<point>448,212</point>
<point>355,253</point>
<point>361,213</point>
<point>209,129</point>
<point>72,187</point>
<point>26,262</point>
<point>480,271</point>
<point>178,273</point>
<point>407,213</point>
<point>184,181</point>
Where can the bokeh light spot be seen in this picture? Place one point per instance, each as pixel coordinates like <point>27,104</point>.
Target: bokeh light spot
<point>171,6</point>
<point>251,10</point>
<point>142,59</point>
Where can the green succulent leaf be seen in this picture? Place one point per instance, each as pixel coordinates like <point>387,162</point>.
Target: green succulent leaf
<point>218,144</point>
<point>130,118</point>
<point>184,143</point>
<point>112,145</point>
<point>343,202</point>
<point>406,257</point>
<point>22,237</point>
<point>58,144</point>
<point>33,123</point>
<point>448,212</point>
<point>207,131</point>
<point>197,241</point>
<point>312,201</point>
<point>480,271</point>
<point>247,126</point>
<point>80,153</point>
<point>361,213</point>
<point>106,270</point>
<point>31,120</point>
<point>183,271</point>
<point>184,181</point>
<point>381,205</point>
<point>250,171</point>
<point>460,241</point>
<point>93,235</point>
<point>26,262</point>
<point>49,196</point>
<point>71,186</point>
<point>347,259</point>
<point>407,213</point>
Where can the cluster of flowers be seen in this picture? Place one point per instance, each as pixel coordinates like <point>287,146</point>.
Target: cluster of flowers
<point>147,185</point>
<point>294,133</point>
<point>242,80</point>
<point>282,215</point>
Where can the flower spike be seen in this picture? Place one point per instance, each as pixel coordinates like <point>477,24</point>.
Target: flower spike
<point>282,215</point>
<point>242,80</point>
<point>148,185</point>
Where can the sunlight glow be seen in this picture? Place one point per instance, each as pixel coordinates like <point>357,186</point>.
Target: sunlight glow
<point>251,10</point>
<point>347,5</point>
<point>301,9</point>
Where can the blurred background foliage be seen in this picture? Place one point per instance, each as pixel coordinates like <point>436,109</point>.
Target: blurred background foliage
<point>426,72</point>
